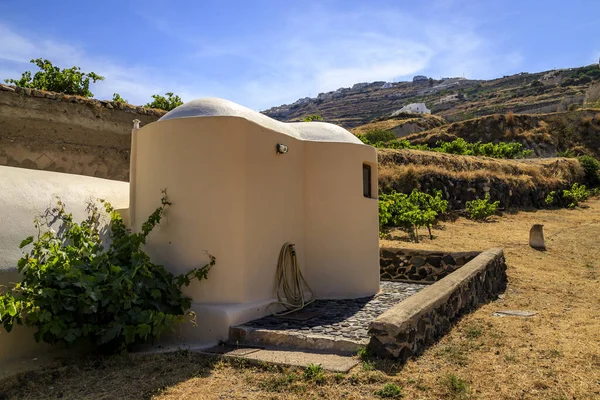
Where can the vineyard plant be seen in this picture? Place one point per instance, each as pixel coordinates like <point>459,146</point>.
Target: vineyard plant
<point>412,211</point>
<point>482,209</point>
<point>74,290</point>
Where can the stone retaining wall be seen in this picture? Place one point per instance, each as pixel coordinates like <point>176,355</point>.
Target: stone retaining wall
<point>420,265</point>
<point>409,327</point>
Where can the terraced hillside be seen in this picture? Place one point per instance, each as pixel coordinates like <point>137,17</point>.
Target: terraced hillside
<point>454,99</point>
<point>547,135</point>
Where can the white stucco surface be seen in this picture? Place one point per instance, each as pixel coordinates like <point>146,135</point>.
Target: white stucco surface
<point>236,198</point>
<point>307,131</point>
<point>26,194</point>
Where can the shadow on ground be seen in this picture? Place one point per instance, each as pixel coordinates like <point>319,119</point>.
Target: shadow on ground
<point>114,377</point>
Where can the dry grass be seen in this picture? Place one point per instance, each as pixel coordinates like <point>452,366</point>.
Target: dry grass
<point>554,355</point>
<point>387,125</point>
<point>510,118</point>
<point>406,168</point>
<point>425,121</point>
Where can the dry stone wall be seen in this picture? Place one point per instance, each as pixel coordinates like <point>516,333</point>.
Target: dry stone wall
<point>420,265</point>
<point>409,327</point>
<point>62,133</point>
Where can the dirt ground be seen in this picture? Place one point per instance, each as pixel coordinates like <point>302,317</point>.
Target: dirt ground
<point>552,355</point>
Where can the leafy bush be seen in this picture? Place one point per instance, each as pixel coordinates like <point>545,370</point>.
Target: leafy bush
<point>118,99</point>
<point>311,118</point>
<point>591,166</point>
<point>481,209</point>
<point>576,195</point>
<point>412,211</point>
<point>74,290</point>
<point>390,391</point>
<point>51,78</point>
<point>167,103</point>
<point>550,198</point>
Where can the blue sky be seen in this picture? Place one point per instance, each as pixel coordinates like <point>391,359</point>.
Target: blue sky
<point>265,53</point>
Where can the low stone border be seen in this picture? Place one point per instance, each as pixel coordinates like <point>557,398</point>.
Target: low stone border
<point>409,327</point>
<point>420,265</point>
<point>294,340</point>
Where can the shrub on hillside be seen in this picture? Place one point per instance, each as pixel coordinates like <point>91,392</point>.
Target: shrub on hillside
<point>73,289</point>
<point>69,81</point>
<point>167,102</point>
<point>591,166</point>
<point>311,118</point>
<point>376,136</point>
<point>118,99</point>
<point>576,195</point>
<point>481,209</point>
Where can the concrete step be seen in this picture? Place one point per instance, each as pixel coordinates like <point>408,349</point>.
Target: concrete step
<point>287,357</point>
<point>250,336</point>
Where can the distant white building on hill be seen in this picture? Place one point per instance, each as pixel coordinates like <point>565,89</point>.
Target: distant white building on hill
<point>417,108</point>
<point>387,85</point>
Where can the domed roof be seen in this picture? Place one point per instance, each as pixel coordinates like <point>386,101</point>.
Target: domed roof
<point>309,131</point>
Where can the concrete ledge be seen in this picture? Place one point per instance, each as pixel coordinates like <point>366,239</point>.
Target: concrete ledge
<point>241,335</point>
<point>409,327</point>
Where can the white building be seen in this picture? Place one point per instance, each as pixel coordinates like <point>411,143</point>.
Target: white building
<point>387,85</point>
<point>417,108</point>
<point>242,185</point>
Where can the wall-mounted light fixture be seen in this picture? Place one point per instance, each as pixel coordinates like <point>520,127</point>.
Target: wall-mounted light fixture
<point>281,148</point>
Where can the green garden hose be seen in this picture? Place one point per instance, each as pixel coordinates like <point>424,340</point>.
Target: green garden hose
<point>291,284</point>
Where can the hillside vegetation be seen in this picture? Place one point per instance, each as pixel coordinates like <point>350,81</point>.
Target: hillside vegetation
<point>569,133</point>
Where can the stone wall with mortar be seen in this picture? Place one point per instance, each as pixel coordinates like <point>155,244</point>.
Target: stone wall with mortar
<point>420,265</point>
<point>62,133</point>
<point>409,327</point>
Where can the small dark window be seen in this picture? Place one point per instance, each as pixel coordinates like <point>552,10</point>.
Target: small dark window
<point>367,180</point>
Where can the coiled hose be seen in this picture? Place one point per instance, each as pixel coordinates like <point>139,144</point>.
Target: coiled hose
<point>291,284</point>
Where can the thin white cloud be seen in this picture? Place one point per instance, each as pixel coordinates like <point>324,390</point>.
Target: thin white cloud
<point>315,51</point>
